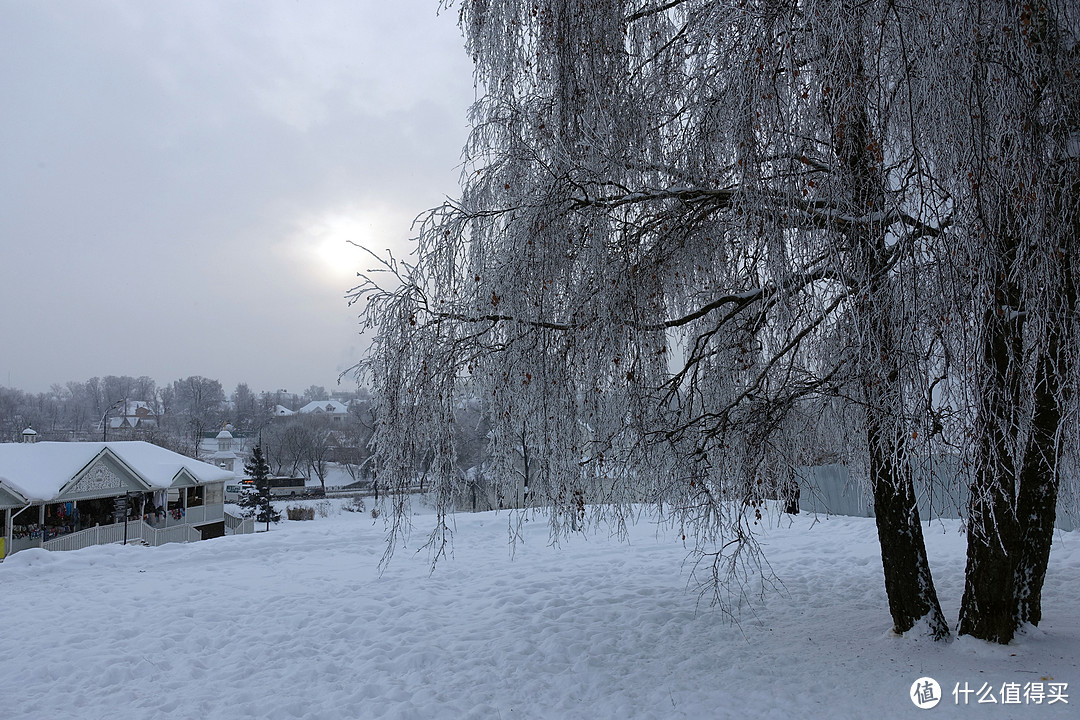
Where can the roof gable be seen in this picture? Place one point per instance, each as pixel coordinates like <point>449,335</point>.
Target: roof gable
<point>104,476</point>
<point>184,479</point>
<point>11,499</point>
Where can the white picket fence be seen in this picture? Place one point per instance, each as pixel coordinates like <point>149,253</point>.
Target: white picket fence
<point>137,530</point>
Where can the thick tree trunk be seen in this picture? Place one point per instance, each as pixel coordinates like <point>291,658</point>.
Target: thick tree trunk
<point>1012,514</point>
<point>988,609</point>
<point>908,583</point>
<point>1014,493</point>
<point>1040,477</point>
<point>1036,504</point>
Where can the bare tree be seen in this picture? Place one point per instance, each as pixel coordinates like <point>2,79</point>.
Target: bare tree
<point>316,392</point>
<point>249,411</point>
<point>198,401</point>
<point>321,444</point>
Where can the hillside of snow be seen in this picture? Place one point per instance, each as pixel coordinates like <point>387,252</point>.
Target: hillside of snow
<point>299,623</point>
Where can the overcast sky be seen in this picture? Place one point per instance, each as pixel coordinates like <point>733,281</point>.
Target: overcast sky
<point>178,180</point>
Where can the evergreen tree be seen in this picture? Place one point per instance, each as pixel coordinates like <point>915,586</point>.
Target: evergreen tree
<point>258,504</point>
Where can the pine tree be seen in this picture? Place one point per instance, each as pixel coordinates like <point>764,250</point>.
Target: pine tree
<point>258,504</point>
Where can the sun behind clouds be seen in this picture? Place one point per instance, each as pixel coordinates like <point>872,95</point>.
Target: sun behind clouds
<point>330,243</point>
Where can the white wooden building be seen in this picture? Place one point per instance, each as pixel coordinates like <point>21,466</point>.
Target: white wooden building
<point>65,496</point>
<point>335,411</point>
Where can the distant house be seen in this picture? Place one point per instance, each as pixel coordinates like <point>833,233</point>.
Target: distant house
<point>132,415</point>
<point>65,496</point>
<point>336,411</point>
<point>281,411</point>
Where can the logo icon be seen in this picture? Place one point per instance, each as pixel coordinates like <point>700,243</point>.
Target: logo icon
<point>925,693</point>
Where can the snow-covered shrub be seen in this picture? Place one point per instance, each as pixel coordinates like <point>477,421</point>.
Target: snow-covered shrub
<point>300,513</point>
<point>354,504</point>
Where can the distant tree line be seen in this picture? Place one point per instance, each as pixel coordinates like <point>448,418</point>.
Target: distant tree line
<point>185,411</point>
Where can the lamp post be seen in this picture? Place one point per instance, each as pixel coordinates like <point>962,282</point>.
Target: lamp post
<point>104,425</point>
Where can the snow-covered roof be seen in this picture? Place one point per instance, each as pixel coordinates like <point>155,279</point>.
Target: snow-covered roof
<point>224,435</point>
<point>282,411</point>
<point>324,406</point>
<point>39,471</point>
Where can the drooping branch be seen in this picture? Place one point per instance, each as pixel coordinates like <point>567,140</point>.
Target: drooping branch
<point>648,10</point>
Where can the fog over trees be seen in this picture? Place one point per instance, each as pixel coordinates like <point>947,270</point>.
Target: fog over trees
<point>702,244</point>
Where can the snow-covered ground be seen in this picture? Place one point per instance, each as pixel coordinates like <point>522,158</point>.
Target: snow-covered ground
<point>299,623</point>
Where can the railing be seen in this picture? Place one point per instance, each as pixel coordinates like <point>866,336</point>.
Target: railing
<point>166,532</point>
<point>238,526</point>
<point>179,533</point>
<point>195,515</point>
<point>136,530</point>
<point>198,515</point>
<point>98,535</point>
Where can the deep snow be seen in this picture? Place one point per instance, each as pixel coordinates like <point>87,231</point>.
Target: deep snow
<point>299,623</point>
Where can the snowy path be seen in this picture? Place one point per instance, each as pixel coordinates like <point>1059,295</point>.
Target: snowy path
<point>297,623</point>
